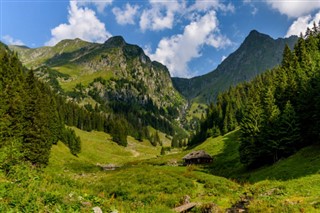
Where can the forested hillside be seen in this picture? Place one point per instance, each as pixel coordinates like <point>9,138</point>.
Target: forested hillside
<point>278,112</point>
<point>30,122</point>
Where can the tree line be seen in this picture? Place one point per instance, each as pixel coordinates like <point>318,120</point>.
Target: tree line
<point>278,112</point>
<point>29,120</point>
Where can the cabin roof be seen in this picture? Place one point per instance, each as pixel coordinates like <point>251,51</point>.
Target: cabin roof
<point>197,154</point>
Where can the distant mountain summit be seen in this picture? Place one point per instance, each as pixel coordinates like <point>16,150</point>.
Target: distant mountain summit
<point>115,41</point>
<point>256,54</point>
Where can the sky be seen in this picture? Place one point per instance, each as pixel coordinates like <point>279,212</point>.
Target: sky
<point>190,37</point>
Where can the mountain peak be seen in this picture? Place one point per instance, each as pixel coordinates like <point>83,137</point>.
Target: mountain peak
<point>69,42</point>
<point>254,32</point>
<point>256,35</point>
<point>255,38</point>
<point>117,41</point>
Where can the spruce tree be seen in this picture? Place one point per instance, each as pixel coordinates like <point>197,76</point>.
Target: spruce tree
<point>36,140</point>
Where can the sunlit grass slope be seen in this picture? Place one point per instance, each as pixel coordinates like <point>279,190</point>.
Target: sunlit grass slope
<point>136,187</point>
<point>145,181</point>
<point>80,75</point>
<point>97,147</point>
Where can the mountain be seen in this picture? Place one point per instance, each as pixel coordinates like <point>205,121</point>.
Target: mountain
<point>255,55</point>
<point>34,57</point>
<point>115,76</point>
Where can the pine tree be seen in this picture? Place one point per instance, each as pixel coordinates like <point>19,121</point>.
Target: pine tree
<point>36,140</point>
<point>287,57</point>
<point>175,142</point>
<point>289,131</point>
<point>250,131</point>
<point>12,109</point>
<point>118,132</point>
<point>157,138</point>
<point>162,152</point>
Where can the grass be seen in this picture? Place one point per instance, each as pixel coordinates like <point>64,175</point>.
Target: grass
<point>196,110</point>
<point>77,76</point>
<point>99,148</point>
<point>146,183</point>
<point>306,162</point>
<point>166,140</point>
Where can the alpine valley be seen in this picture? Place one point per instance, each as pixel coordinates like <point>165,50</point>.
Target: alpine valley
<point>90,127</point>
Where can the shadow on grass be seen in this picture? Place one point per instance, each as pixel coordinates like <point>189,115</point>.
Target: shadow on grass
<point>305,162</point>
<point>227,164</point>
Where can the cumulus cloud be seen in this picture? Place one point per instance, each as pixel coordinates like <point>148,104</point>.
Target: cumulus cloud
<point>218,41</point>
<point>11,41</point>
<point>302,23</point>
<point>294,8</point>
<point>175,52</point>
<point>82,23</point>
<point>127,15</point>
<point>204,5</point>
<point>161,15</point>
<point>223,58</point>
<point>100,4</point>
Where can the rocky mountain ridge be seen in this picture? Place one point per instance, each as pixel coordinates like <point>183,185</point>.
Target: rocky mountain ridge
<point>115,75</point>
<point>256,54</point>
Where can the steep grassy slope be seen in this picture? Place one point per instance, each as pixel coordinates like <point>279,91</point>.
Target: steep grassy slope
<point>256,54</point>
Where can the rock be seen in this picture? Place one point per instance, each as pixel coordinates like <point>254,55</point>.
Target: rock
<point>97,209</point>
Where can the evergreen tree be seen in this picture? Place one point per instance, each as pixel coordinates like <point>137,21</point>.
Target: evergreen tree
<point>118,132</point>
<point>289,131</point>
<point>287,57</point>
<point>36,141</point>
<point>73,142</point>
<point>157,138</point>
<point>162,152</point>
<point>250,132</point>
<point>175,142</point>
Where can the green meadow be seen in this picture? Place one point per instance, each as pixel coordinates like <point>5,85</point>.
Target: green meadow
<point>148,182</point>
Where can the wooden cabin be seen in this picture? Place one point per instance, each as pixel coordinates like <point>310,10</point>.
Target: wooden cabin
<point>197,157</point>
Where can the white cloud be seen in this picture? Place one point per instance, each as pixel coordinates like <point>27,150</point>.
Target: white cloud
<point>223,57</point>
<point>218,41</point>
<point>205,5</point>
<point>127,15</point>
<point>100,4</point>
<point>175,52</point>
<point>161,15</point>
<point>294,8</point>
<point>11,41</point>
<point>83,24</point>
<point>302,23</point>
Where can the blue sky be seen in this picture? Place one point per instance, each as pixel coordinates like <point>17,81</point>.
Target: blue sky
<point>190,37</point>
